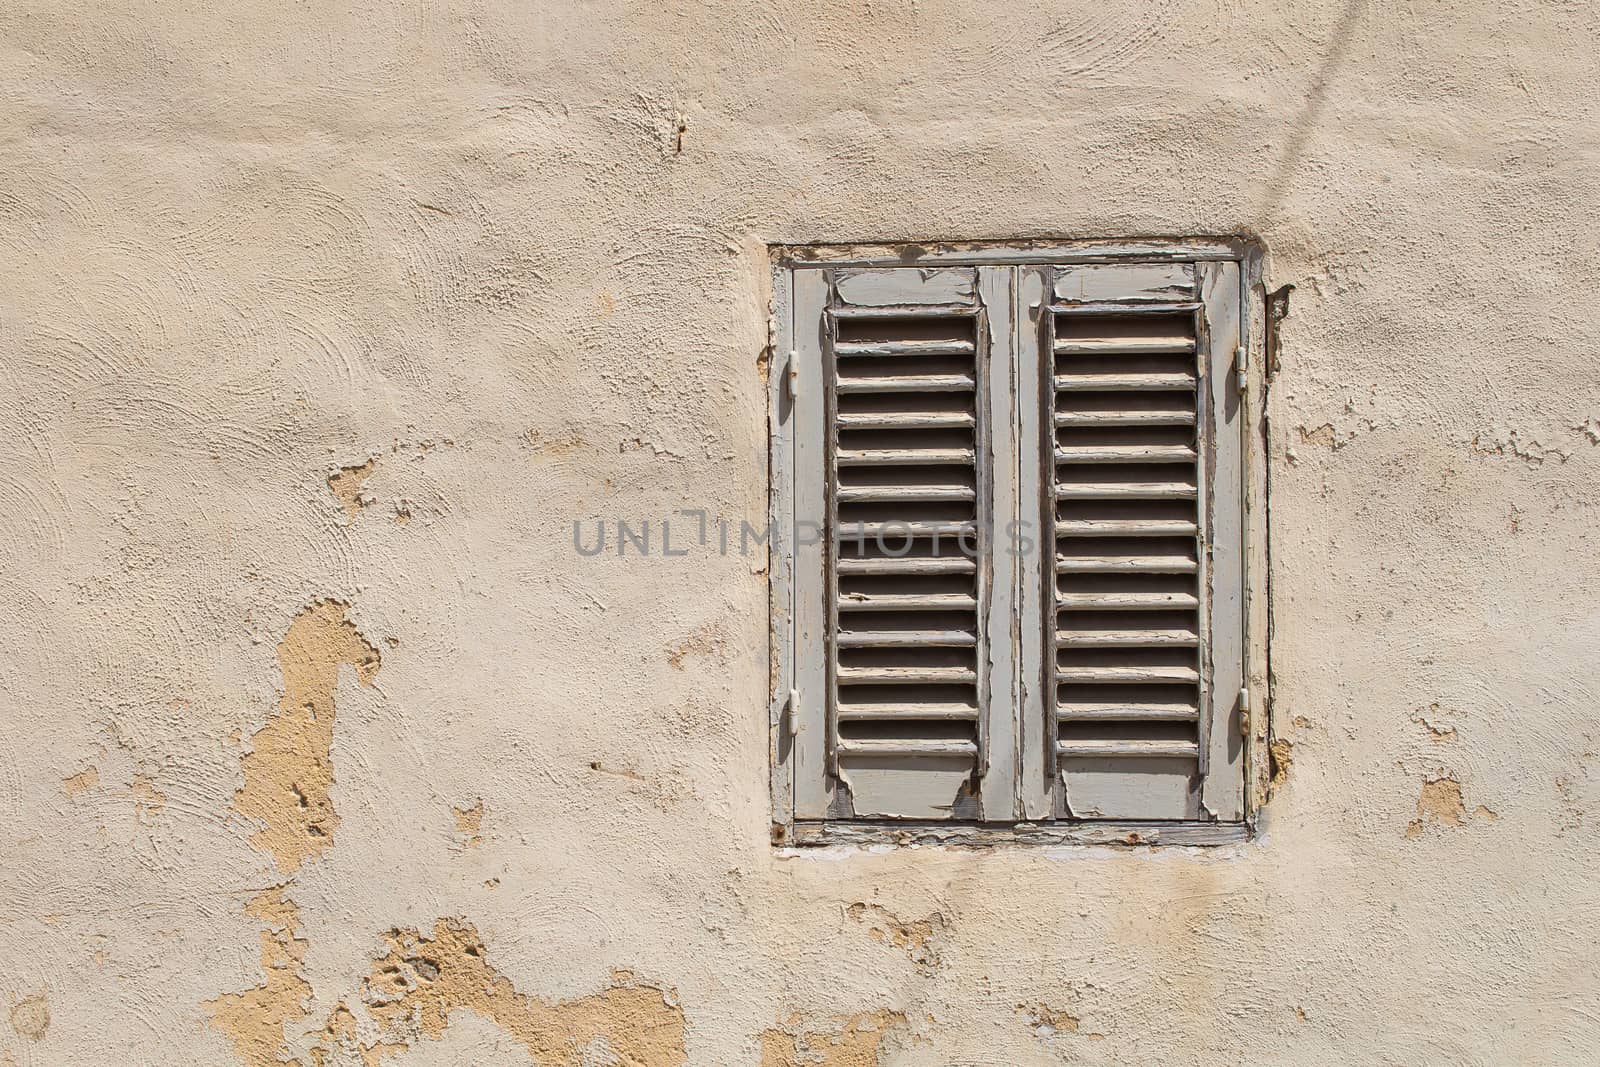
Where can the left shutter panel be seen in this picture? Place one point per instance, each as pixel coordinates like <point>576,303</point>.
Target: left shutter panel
<point>905,362</point>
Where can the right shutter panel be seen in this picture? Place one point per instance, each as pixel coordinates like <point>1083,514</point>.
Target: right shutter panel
<point>1126,484</point>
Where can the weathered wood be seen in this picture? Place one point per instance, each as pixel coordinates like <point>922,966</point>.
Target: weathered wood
<point>1126,454</point>
<point>1126,638</point>
<point>906,420</point>
<point>909,383</point>
<point>1124,383</point>
<point>1128,711</point>
<point>1136,252</point>
<point>867,493</point>
<point>780,553</point>
<point>813,785</point>
<point>904,348</point>
<point>1126,491</point>
<point>1116,346</point>
<point>1126,602</point>
<point>906,710</point>
<point>1036,614</point>
<point>907,565</point>
<point>899,457</point>
<point>1158,283</point>
<point>1000,729</point>
<point>1128,747</point>
<point>1224,580</point>
<point>1119,834</point>
<point>1170,417</point>
<point>881,288</point>
<point>907,602</point>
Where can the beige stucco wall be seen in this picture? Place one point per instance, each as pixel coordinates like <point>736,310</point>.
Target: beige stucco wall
<point>505,262</point>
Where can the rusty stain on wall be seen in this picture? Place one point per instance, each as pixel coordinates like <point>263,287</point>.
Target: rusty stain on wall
<point>289,768</point>
<point>851,1041</point>
<point>411,991</point>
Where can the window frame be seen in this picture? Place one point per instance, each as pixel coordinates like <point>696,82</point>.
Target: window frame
<point>793,265</point>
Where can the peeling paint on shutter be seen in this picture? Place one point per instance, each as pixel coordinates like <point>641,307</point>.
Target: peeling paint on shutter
<point>905,362</point>
<point>1130,415</point>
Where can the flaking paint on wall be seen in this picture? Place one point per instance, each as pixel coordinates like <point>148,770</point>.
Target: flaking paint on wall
<point>853,1041</point>
<point>288,772</point>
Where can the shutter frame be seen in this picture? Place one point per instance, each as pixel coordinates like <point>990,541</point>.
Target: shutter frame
<point>1019,707</point>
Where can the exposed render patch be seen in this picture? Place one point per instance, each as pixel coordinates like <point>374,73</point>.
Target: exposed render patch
<point>346,484</point>
<point>81,782</point>
<point>917,938</point>
<point>288,772</point>
<point>1512,443</point>
<point>147,799</point>
<point>1046,1021</point>
<point>30,1018</point>
<point>1441,803</point>
<point>412,989</point>
<point>1437,730</point>
<point>855,1041</point>
<point>469,824</point>
<point>254,1019</point>
<point>1281,756</point>
<point>708,639</point>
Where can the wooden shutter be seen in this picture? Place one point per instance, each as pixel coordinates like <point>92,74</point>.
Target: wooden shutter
<point>1008,541</point>
<point>1143,498</point>
<point>903,704</point>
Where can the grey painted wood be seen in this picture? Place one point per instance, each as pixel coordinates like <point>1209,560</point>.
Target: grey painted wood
<point>1035,640</point>
<point>879,288</point>
<point>813,785</point>
<point>1119,833</point>
<point>1224,784</point>
<point>998,579</point>
<point>1194,249</point>
<point>780,547</point>
<point>1126,283</point>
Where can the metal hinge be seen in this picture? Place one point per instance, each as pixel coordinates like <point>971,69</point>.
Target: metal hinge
<point>791,713</point>
<point>1241,370</point>
<point>1244,711</point>
<point>791,374</point>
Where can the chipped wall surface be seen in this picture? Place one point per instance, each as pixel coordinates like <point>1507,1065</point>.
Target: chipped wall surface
<point>319,325</point>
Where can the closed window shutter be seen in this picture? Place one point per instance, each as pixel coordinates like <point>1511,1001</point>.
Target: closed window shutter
<point>1010,542</point>
<point>1143,500</point>
<point>901,378</point>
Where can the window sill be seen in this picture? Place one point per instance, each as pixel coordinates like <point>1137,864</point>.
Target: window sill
<point>969,835</point>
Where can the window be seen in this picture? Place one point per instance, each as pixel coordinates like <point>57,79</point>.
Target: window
<point>1009,540</point>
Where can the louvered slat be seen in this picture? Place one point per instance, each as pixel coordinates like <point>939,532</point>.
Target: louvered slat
<point>1127,560</point>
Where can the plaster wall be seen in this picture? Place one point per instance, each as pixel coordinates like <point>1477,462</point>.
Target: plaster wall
<point>320,324</point>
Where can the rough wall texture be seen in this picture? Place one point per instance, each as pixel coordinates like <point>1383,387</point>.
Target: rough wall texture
<point>318,327</point>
